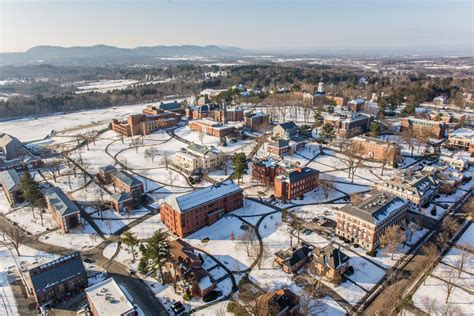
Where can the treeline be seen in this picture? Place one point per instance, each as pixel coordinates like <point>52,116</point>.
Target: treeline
<point>40,104</point>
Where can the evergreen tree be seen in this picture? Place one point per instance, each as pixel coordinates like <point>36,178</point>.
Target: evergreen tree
<point>156,252</point>
<point>327,133</point>
<point>239,161</point>
<point>30,190</point>
<point>375,129</point>
<point>129,239</point>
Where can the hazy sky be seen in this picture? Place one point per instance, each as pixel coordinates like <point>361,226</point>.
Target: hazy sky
<point>257,24</point>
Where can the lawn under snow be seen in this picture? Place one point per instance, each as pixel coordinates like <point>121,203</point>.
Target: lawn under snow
<point>147,228</point>
<point>80,238</point>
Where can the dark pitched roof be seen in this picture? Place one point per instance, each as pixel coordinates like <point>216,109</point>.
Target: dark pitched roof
<point>127,178</point>
<point>169,106</point>
<point>280,143</point>
<point>108,168</point>
<point>49,276</point>
<point>291,257</point>
<point>122,196</point>
<point>331,257</point>
<point>296,175</point>
<point>61,203</point>
<point>288,125</point>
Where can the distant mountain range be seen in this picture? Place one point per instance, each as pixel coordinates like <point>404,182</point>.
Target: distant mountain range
<point>103,54</point>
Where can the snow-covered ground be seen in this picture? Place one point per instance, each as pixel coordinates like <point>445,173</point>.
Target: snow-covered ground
<point>433,292</point>
<point>148,227</point>
<point>80,239</point>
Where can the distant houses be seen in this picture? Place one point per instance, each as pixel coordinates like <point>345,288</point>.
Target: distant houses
<point>64,211</point>
<point>53,280</point>
<point>186,213</point>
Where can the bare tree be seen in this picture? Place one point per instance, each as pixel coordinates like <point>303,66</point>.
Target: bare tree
<point>356,198</point>
<point>408,137</point>
<point>297,224</point>
<point>391,238</point>
<point>327,187</point>
<point>249,240</point>
<point>12,238</point>
<point>150,153</point>
<point>430,305</point>
<point>461,261</point>
<point>450,278</point>
<point>166,159</point>
<point>448,228</point>
<point>352,160</point>
<point>388,154</point>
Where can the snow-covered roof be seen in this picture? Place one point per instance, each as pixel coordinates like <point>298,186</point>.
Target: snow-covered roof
<point>108,298</point>
<point>60,202</point>
<point>190,200</point>
<point>376,208</point>
<point>465,133</point>
<point>9,179</point>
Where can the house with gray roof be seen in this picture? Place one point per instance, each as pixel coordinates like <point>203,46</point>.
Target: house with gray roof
<point>10,182</point>
<point>197,158</point>
<point>10,147</point>
<point>64,211</point>
<point>363,223</point>
<point>285,130</point>
<point>53,280</point>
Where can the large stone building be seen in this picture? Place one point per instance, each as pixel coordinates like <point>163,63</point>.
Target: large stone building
<point>416,188</point>
<point>107,298</point>
<point>143,124</point>
<point>256,121</point>
<point>356,105</point>
<point>366,221</point>
<point>64,211</point>
<point>376,149</point>
<point>197,159</point>
<point>10,147</point>
<point>212,128</point>
<point>162,107</point>
<point>428,128</point>
<point>10,182</point>
<point>349,124</point>
<point>186,213</point>
<point>53,280</point>
<point>462,138</point>
<point>216,112</point>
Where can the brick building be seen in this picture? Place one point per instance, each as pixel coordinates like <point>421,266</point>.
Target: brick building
<point>294,183</point>
<point>51,281</point>
<point>212,128</point>
<point>376,149</point>
<point>256,121</point>
<point>215,112</point>
<point>64,211</point>
<point>340,101</point>
<point>198,282</point>
<point>123,201</point>
<point>356,105</point>
<point>349,124</point>
<point>163,107</point>
<point>452,120</point>
<point>462,138</point>
<point>107,298</point>
<point>365,222</point>
<point>435,129</point>
<point>278,303</point>
<point>330,262</point>
<point>186,213</point>
<point>143,124</point>
<point>10,182</point>
<point>292,260</point>
<point>417,188</point>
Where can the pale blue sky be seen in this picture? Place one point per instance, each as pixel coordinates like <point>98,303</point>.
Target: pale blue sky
<point>257,24</point>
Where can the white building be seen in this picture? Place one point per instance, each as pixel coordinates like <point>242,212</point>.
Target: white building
<point>197,158</point>
<point>321,87</point>
<point>107,298</point>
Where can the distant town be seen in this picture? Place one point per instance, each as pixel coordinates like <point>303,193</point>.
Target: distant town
<point>318,186</point>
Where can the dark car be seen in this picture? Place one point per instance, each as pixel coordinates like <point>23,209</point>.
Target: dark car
<point>89,260</point>
<point>178,308</point>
